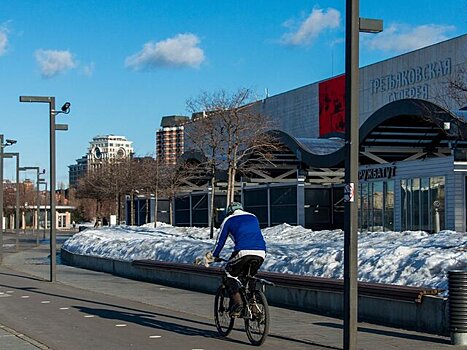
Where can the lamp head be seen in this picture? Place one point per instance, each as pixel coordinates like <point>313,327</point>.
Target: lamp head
<point>66,107</point>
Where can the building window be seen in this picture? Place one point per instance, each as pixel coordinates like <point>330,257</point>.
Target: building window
<point>376,206</point>
<point>423,204</point>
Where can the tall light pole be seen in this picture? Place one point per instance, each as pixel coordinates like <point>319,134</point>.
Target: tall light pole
<point>36,215</point>
<point>43,182</point>
<point>353,25</point>
<point>52,127</point>
<point>11,155</point>
<point>2,146</point>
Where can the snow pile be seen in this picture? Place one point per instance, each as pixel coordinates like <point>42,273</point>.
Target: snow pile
<point>413,258</point>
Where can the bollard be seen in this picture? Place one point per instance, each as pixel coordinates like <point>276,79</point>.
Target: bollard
<point>457,280</point>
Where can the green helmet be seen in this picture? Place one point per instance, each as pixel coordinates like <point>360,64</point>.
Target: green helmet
<point>234,206</point>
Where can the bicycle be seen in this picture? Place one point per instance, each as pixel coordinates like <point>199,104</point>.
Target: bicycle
<point>255,311</point>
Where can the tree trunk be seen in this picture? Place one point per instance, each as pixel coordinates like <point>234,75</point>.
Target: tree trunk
<point>132,209</point>
<point>213,193</point>
<point>170,211</point>
<point>155,208</point>
<point>232,185</point>
<point>229,199</point>
<point>148,216</point>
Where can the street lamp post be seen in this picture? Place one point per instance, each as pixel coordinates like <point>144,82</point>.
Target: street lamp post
<point>36,215</point>
<point>52,127</point>
<point>43,182</point>
<point>354,24</point>
<point>11,155</point>
<point>2,146</point>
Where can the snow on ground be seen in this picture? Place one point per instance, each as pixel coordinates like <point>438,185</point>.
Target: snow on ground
<point>413,258</point>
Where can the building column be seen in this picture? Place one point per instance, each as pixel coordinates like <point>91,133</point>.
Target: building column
<point>301,200</point>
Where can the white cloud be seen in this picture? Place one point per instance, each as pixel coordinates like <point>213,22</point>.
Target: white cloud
<point>179,51</point>
<point>54,62</point>
<point>3,40</point>
<point>403,38</point>
<point>318,21</point>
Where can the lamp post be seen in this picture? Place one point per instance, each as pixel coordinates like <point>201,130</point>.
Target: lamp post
<point>353,25</point>
<point>43,182</point>
<point>11,155</point>
<point>52,127</point>
<point>36,215</point>
<point>3,144</point>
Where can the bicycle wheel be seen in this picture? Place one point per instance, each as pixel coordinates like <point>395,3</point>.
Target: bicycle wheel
<point>257,326</point>
<point>224,323</point>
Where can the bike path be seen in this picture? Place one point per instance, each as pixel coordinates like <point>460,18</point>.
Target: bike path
<point>155,316</point>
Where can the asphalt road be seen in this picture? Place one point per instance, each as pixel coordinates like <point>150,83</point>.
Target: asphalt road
<point>61,317</point>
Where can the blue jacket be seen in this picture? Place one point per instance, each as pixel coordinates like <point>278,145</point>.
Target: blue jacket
<point>243,229</point>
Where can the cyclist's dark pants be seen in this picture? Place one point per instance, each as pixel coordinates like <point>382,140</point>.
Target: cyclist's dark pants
<point>241,267</point>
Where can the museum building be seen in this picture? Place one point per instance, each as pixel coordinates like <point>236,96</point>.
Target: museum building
<point>413,148</point>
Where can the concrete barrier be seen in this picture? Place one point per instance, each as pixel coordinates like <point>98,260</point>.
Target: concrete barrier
<point>429,316</point>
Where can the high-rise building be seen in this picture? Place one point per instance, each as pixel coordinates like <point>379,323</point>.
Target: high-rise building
<point>170,143</point>
<point>77,171</point>
<point>108,148</point>
<point>101,149</point>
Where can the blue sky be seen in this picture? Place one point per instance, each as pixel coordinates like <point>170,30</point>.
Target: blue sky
<point>125,64</point>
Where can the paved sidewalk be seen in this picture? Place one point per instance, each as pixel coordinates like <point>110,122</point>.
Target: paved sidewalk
<point>311,331</point>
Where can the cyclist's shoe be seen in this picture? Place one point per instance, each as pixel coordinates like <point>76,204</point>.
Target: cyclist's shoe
<point>235,310</point>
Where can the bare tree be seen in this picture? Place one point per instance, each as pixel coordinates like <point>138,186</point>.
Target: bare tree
<point>172,179</point>
<point>227,130</point>
<point>151,181</point>
<point>205,135</point>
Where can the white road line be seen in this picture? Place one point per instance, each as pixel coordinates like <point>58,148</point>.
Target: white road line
<point>120,325</point>
<point>45,302</point>
<point>64,308</point>
<point>10,291</point>
<point>155,336</point>
<point>89,316</point>
<point>25,296</point>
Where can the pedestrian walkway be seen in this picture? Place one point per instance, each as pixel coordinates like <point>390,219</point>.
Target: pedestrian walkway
<point>297,329</point>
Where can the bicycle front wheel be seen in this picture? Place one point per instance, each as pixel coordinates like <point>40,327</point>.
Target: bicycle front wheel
<point>257,326</point>
<point>224,323</point>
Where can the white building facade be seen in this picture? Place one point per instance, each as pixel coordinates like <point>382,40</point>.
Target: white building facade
<point>108,148</point>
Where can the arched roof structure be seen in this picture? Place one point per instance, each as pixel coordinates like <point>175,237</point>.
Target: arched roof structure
<point>394,132</point>
<point>401,130</point>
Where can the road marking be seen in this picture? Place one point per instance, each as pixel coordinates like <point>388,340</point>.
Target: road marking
<point>155,336</point>
<point>89,316</point>
<point>162,288</point>
<point>120,325</point>
<point>10,291</point>
<point>25,296</point>
<point>45,302</point>
<point>64,308</point>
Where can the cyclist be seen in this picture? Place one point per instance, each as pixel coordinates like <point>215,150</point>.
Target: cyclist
<point>243,229</point>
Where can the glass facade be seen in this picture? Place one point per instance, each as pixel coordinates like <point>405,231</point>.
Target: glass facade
<point>423,204</point>
<point>376,206</point>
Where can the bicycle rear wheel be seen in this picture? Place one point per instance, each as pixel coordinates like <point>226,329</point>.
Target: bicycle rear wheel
<point>224,323</point>
<point>257,327</point>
